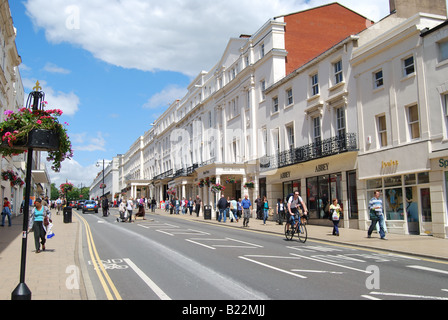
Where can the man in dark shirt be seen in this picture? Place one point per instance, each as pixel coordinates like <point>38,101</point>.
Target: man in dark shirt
<point>222,207</point>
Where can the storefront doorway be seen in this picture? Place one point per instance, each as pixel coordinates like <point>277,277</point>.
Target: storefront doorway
<point>320,191</point>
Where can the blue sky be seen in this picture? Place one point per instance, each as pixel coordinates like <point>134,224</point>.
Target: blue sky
<point>114,66</point>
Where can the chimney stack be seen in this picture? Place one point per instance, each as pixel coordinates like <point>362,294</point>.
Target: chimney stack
<point>408,8</point>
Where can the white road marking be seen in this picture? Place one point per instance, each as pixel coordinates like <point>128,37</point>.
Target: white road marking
<point>274,268</point>
<point>159,292</point>
<point>334,264</point>
<point>369,297</point>
<point>201,244</point>
<point>428,269</point>
<point>404,295</point>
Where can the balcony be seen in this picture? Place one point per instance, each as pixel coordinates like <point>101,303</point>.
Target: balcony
<point>317,150</point>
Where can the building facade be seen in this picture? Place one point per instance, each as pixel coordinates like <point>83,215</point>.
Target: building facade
<point>338,117</point>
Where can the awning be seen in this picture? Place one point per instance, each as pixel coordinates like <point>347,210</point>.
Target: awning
<point>40,176</point>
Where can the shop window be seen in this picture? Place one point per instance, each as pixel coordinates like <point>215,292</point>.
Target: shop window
<point>352,195</point>
<point>423,177</point>
<point>320,191</point>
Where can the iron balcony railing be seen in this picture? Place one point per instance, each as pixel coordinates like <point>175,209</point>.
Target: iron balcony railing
<point>320,149</point>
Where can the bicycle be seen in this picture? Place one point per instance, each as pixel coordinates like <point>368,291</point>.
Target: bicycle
<point>299,229</point>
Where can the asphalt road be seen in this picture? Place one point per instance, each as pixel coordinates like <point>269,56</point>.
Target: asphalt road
<point>164,258</point>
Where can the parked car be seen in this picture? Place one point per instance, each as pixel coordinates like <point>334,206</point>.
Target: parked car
<point>80,204</point>
<point>90,206</point>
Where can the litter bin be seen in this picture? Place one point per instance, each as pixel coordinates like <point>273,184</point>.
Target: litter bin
<point>67,212</point>
<point>207,212</point>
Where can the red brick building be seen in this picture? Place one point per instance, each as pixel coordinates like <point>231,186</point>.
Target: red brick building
<point>311,32</point>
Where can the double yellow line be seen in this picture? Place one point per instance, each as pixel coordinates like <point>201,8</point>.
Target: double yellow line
<point>103,276</point>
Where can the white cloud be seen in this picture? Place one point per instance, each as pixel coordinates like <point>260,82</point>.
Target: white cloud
<point>178,35</point>
<point>85,142</point>
<point>67,102</point>
<point>73,172</point>
<point>52,68</point>
<point>165,98</point>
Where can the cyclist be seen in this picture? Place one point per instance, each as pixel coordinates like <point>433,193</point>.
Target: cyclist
<point>294,203</point>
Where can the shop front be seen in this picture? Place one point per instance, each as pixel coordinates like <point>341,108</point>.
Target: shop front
<point>319,182</point>
<point>439,193</point>
<point>404,178</point>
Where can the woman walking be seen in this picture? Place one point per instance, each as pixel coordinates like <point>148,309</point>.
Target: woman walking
<point>39,217</point>
<point>6,212</point>
<point>265,210</point>
<point>335,214</point>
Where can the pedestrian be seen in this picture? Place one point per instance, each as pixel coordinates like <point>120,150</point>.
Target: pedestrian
<point>265,210</point>
<point>122,211</point>
<point>376,214</point>
<point>233,209</point>
<point>129,207</point>
<point>222,207</point>
<point>177,205</point>
<point>190,206</point>
<point>141,209</point>
<point>247,206</point>
<point>153,204</point>
<point>259,208</point>
<point>6,212</point>
<point>184,205</point>
<point>335,213</point>
<point>40,218</point>
<point>105,206</point>
<point>239,210</point>
<point>198,204</point>
<point>280,211</point>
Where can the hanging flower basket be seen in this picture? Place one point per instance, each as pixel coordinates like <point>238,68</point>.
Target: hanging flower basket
<point>39,130</point>
<point>102,186</point>
<point>171,191</point>
<point>249,185</point>
<point>215,188</point>
<point>13,178</point>
<point>231,180</point>
<point>66,187</point>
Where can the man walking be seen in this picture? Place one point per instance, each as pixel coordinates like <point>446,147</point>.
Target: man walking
<point>376,208</point>
<point>222,207</point>
<point>246,204</point>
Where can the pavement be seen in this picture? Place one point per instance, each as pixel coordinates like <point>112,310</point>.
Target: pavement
<point>57,272</point>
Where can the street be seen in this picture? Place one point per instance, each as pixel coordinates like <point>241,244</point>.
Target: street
<point>167,258</point>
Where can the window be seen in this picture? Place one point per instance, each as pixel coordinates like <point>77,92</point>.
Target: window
<point>340,122</point>
<point>413,121</point>
<point>378,79</point>
<point>290,136</point>
<point>314,84</point>
<point>382,131</point>
<point>262,50</point>
<point>338,72</point>
<point>443,48</point>
<point>316,129</point>
<point>408,65</point>
<point>275,105</point>
<point>289,97</point>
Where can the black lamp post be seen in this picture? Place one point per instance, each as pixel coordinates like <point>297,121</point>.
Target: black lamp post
<point>22,292</point>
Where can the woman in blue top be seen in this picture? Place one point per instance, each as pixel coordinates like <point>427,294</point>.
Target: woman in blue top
<point>265,210</point>
<point>37,223</point>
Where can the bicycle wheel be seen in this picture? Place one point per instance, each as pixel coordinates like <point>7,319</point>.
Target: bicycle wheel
<point>302,233</point>
<point>289,234</point>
